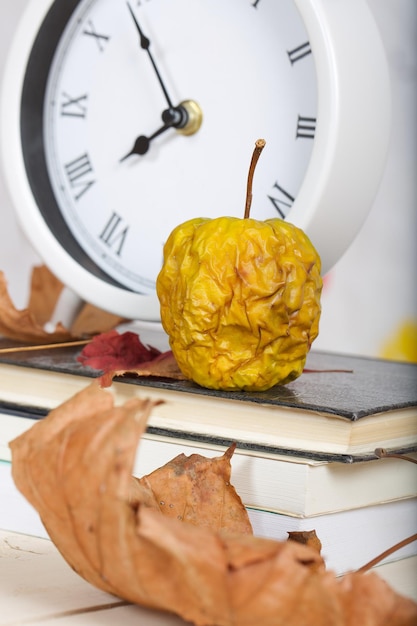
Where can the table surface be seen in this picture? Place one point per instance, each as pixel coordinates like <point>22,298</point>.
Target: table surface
<point>38,587</point>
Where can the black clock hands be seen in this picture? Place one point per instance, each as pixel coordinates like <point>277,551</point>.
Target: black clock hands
<point>176,117</point>
<point>186,117</point>
<point>145,45</point>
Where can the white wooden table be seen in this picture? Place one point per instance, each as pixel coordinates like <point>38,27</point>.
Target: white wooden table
<point>38,587</point>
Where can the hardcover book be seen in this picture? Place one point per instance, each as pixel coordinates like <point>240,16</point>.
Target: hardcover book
<point>341,408</point>
<point>349,538</point>
<point>286,484</point>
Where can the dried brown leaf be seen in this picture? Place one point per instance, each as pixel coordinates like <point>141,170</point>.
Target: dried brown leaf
<point>92,320</point>
<point>197,490</point>
<point>45,289</point>
<point>75,468</point>
<point>22,325</point>
<point>27,325</point>
<point>307,538</point>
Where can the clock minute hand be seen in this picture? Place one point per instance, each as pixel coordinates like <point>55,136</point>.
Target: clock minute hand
<point>145,45</point>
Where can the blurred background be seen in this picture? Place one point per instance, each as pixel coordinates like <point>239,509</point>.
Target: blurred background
<point>370,296</point>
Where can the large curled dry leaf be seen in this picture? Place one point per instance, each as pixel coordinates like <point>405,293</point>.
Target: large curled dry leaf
<point>75,468</point>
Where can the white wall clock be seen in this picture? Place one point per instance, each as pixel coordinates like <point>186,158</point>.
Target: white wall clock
<point>122,119</point>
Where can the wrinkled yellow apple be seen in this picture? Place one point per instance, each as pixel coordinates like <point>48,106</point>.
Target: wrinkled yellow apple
<point>240,301</point>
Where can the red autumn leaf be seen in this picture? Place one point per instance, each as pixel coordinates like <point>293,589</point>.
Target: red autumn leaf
<point>162,366</point>
<point>118,354</point>
<point>113,351</point>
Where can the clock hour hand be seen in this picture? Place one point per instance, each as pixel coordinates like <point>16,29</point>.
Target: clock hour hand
<point>145,45</point>
<point>175,117</point>
<point>142,143</point>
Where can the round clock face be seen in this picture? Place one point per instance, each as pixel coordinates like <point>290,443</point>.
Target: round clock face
<point>248,71</point>
<point>136,116</point>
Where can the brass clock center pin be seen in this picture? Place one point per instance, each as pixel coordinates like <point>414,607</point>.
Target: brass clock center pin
<point>195,117</point>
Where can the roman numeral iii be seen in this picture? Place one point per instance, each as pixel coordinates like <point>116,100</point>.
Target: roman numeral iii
<point>306,127</point>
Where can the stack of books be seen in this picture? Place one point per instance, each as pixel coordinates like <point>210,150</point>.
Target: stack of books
<point>305,456</point>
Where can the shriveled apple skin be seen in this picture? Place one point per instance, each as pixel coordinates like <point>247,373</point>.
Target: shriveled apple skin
<point>240,301</point>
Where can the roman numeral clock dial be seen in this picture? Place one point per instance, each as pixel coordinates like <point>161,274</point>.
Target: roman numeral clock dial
<point>130,117</point>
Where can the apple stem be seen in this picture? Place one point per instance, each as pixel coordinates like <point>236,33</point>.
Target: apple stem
<point>259,146</point>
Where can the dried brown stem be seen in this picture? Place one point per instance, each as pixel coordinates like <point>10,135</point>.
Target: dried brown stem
<point>384,454</point>
<point>381,453</point>
<point>259,146</point>
<point>46,346</point>
<point>383,555</point>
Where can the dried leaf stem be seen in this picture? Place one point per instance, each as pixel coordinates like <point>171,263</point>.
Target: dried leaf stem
<point>381,453</point>
<point>383,555</point>
<point>46,346</point>
<point>259,146</point>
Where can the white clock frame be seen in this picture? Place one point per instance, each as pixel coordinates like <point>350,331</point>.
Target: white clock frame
<point>347,162</point>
